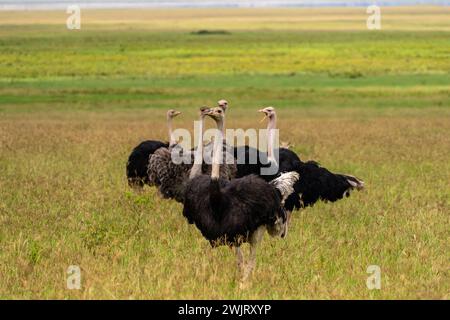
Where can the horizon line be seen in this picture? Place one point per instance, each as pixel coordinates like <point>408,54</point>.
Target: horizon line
<point>209,5</point>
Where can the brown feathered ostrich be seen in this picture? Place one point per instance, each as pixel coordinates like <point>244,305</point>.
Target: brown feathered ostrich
<point>170,176</point>
<point>237,211</point>
<point>137,164</point>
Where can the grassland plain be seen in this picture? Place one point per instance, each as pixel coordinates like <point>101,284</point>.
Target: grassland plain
<point>74,103</point>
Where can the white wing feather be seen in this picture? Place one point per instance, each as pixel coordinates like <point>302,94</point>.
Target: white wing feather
<point>285,183</point>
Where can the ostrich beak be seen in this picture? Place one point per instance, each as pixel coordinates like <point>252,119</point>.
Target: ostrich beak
<point>265,114</point>
<point>177,113</point>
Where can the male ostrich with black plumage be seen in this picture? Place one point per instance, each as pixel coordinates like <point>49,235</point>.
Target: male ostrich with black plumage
<point>316,183</point>
<point>137,164</point>
<point>237,211</point>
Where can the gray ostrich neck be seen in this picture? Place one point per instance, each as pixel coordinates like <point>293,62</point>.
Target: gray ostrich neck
<point>196,169</point>
<point>217,151</point>
<point>271,126</point>
<point>171,136</point>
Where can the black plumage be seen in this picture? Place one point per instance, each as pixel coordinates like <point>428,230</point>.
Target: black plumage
<point>237,211</point>
<point>229,212</point>
<point>138,161</point>
<point>137,164</point>
<point>318,183</point>
<point>315,183</point>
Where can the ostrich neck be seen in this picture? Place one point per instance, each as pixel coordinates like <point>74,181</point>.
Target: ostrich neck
<point>196,169</point>
<point>222,128</point>
<point>171,136</point>
<point>271,126</point>
<point>217,151</point>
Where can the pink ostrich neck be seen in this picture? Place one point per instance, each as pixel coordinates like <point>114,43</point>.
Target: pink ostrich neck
<point>271,126</point>
<point>196,169</point>
<point>223,126</point>
<point>218,149</point>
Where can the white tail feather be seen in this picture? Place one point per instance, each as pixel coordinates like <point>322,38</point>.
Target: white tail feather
<point>355,182</point>
<point>285,183</point>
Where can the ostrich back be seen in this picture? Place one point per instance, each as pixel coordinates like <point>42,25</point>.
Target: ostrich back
<point>287,161</point>
<point>168,176</point>
<point>250,161</point>
<point>228,212</point>
<point>318,183</point>
<point>137,164</point>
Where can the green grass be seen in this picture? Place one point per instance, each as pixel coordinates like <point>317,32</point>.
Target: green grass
<point>299,91</point>
<point>144,53</point>
<point>74,104</point>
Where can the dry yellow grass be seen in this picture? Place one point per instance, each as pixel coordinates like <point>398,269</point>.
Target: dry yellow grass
<point>65,201</point>
<point>74,104</point>
<point>425,18</point>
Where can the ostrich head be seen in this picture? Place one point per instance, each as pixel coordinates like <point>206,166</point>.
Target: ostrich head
<point>223,104</point>
<point>172,114</point>
<point>204,111</point>
<point>217,113</point>
<point>269,113</point>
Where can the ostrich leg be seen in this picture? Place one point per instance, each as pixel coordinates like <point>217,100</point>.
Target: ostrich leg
<point>240,259</point>
<point>255,239</point>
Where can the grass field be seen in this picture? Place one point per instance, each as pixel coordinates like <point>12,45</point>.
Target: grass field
<point>372,103</point>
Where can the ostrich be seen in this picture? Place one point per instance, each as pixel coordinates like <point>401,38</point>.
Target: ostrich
<point>315,183</point>
<point>237,211</point>
<point>168,176</point>
<point>137,164</point>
